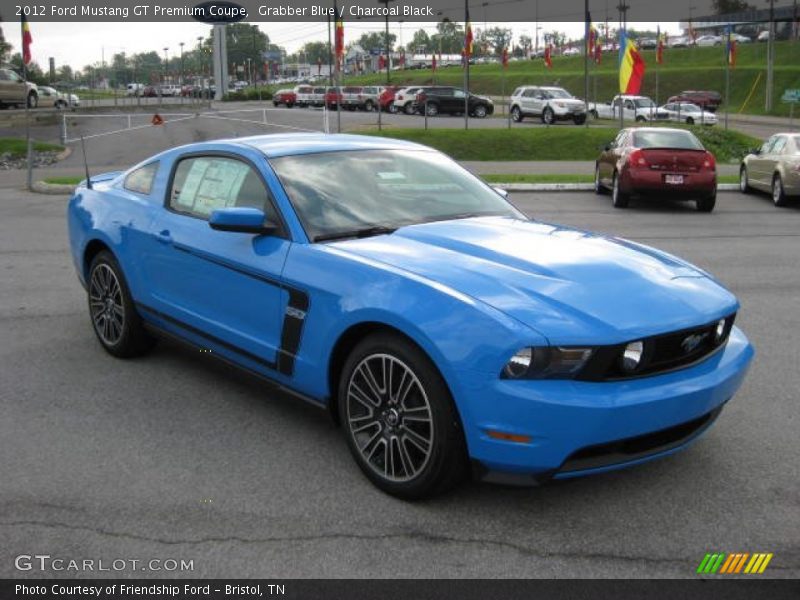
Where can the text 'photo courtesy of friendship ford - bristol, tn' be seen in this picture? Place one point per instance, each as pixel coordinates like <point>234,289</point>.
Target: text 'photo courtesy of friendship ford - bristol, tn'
<point>446,332</point>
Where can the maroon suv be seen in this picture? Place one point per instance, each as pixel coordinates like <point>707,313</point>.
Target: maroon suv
<point>708,100</point>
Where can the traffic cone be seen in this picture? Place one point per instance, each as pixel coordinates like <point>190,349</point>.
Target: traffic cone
<point>157,120</point>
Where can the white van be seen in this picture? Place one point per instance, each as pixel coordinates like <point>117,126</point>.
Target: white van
<point>134,89</point>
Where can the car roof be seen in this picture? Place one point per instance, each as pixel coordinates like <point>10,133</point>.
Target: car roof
<point>288,144</point>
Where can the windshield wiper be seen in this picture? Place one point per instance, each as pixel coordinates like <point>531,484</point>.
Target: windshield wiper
<point>355,233</point>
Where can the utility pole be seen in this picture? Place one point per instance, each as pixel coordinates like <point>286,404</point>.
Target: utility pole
<point>386,40</point>
<point>770,56</point>
<point>586,55</point>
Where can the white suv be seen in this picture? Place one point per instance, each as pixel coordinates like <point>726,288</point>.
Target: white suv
<point>550,104</point>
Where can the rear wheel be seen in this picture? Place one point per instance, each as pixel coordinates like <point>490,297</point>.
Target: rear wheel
<point>114,318</point>
<point>640,119</point>
<point>548,116</point>
<point>369,106</point>
<point>619,199</point>
<point>432,109</point>
<point>399,419</point>
<point>409,108</point>
<point>744,182</point>
<point>778,193</point>
<point>516,115</point>
<point>393,109</point>
<point>33,100</point>
<point>706,204</point>
<point>594,114</point>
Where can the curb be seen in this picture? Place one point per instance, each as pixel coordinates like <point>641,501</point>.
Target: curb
<point>53,189</point>
<point>578,187</point>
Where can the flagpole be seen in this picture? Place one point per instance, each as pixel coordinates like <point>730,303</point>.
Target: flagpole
<point>467,25</point>
<point>586,55</point>
<point>727,77</point>
<point>28,151</point>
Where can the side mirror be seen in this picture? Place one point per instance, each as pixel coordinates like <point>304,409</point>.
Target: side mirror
<point>501,191</point>
<point>241,220</point>
<point>607,147</point>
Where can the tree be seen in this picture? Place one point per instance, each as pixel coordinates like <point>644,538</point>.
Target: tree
<point>525,43</point>
<point>314,52</point>
<point>376,41</point>
<point>449,37</point>
<point>33,71</point>
<point>421,43</point>
<point>724,7</point>
<point>498,38</point>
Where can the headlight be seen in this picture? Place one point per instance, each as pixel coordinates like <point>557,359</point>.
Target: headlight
<point>546,363</point>
<point>632,357</point>
<point>719,330</point>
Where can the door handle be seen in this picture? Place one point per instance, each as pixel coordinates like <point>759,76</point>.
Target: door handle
<point>164,237</point>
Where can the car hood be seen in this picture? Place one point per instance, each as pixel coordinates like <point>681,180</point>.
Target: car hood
<point>569,285</point>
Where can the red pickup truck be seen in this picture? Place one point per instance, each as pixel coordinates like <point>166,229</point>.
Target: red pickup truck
<point>286,97</point>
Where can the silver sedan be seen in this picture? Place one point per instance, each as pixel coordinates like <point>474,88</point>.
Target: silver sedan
<point>774,168</point>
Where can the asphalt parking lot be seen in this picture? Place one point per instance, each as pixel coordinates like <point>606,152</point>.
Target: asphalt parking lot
<point>176,456</point>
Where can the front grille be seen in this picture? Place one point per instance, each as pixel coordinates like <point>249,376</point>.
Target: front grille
<point>662,353</point>
<point>629,449</point>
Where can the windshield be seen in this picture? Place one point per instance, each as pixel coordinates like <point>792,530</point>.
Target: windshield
<point>644,103</point>
<point>335,193</point>
<point>667,138</point>
<point>557,93</point>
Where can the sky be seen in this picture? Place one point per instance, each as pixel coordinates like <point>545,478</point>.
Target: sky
<point>80,44</point>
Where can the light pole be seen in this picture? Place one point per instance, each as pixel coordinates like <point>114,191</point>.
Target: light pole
<point>181,76</point>
<point>166,63</point>
<point>770,56</point>
<point>386,40</point>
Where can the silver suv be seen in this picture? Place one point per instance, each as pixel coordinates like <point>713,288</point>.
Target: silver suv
<point>550,104</point>
<point>14,91</point>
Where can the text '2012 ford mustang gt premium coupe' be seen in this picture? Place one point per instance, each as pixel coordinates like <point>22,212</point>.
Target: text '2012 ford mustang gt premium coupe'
<point>441,327</point>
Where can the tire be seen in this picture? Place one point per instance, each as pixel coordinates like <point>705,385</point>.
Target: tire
<point>706,204</point>
<point>744,182</point>
<point>378,427</point>
<point>618,198</point>
<point>548,116</point>
<point>114,319</point>
<point>640,119</point>
<point>479,112</point>
<point>275,104</point>
<point>409,108</point>
<point>594,114</point>
<point>33,100</point>
<point>289,105</point>
<point>393,109</point>
<point>516,114</point>
<point>689,121</point>
<point>579,119</point>
<point>431,109</point>
<point>369,106</point>
<point>598,185</point>
<point>778,192</point>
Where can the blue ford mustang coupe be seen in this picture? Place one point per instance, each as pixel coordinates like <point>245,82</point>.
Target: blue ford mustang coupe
<point>440,326</point>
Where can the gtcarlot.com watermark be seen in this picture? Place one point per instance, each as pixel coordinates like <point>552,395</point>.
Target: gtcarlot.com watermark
<point>45,562</point>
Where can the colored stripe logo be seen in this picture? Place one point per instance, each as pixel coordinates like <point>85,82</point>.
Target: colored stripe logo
<point>734,563</point>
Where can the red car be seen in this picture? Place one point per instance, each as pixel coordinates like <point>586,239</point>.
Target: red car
<point>332,98</point>
<point>286,97</point>
<point>657,161</point>
<point>387,98</point>
<point>707,100</point>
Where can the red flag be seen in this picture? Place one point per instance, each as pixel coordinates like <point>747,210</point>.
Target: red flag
<point>504,59</point>
<point>27,40</point>
<point>339,42</point>
<point>319,66</point>
<point>381,63</point>
<point>433,63</point>
<point>468,37</point>
<point>548,61</point>
<point>732,52</point>
<point>659,47</point>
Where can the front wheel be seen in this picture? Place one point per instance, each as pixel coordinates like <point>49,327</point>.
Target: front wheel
<point>393,109</point>
<point>431,109</point>
<point>33,100</point>
<point>619,199</point>
<point>689,121</point>
<point>399,419</point>
<point>548,116</point>
<point>744,182</point>
<point>409,109</point>
<point>598,184</point>
<point>479,112</point>
<point>778,193</point>
<point>114,318</point>
<point>640,119</point>
<point>369,106</point>
<point>579,119</point>
<point>516,115</point>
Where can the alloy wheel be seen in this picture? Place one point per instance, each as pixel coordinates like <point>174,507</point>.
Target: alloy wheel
<point>106,305</point>
<point>389,417</point>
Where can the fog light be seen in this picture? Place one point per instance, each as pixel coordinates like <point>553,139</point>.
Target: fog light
<point>720,330</point>
<point>632,356</point>
<point>519,363</point>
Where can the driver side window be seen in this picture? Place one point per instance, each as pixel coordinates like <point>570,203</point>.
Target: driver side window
<point>203,184</point>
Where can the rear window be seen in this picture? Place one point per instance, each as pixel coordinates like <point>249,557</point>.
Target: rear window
<point>683,140</point>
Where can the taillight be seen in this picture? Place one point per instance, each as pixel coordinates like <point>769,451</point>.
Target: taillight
<point>637,159</point>
<point>710,162</point>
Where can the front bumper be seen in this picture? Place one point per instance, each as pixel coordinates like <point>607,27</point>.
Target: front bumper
<point>578,428</point>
